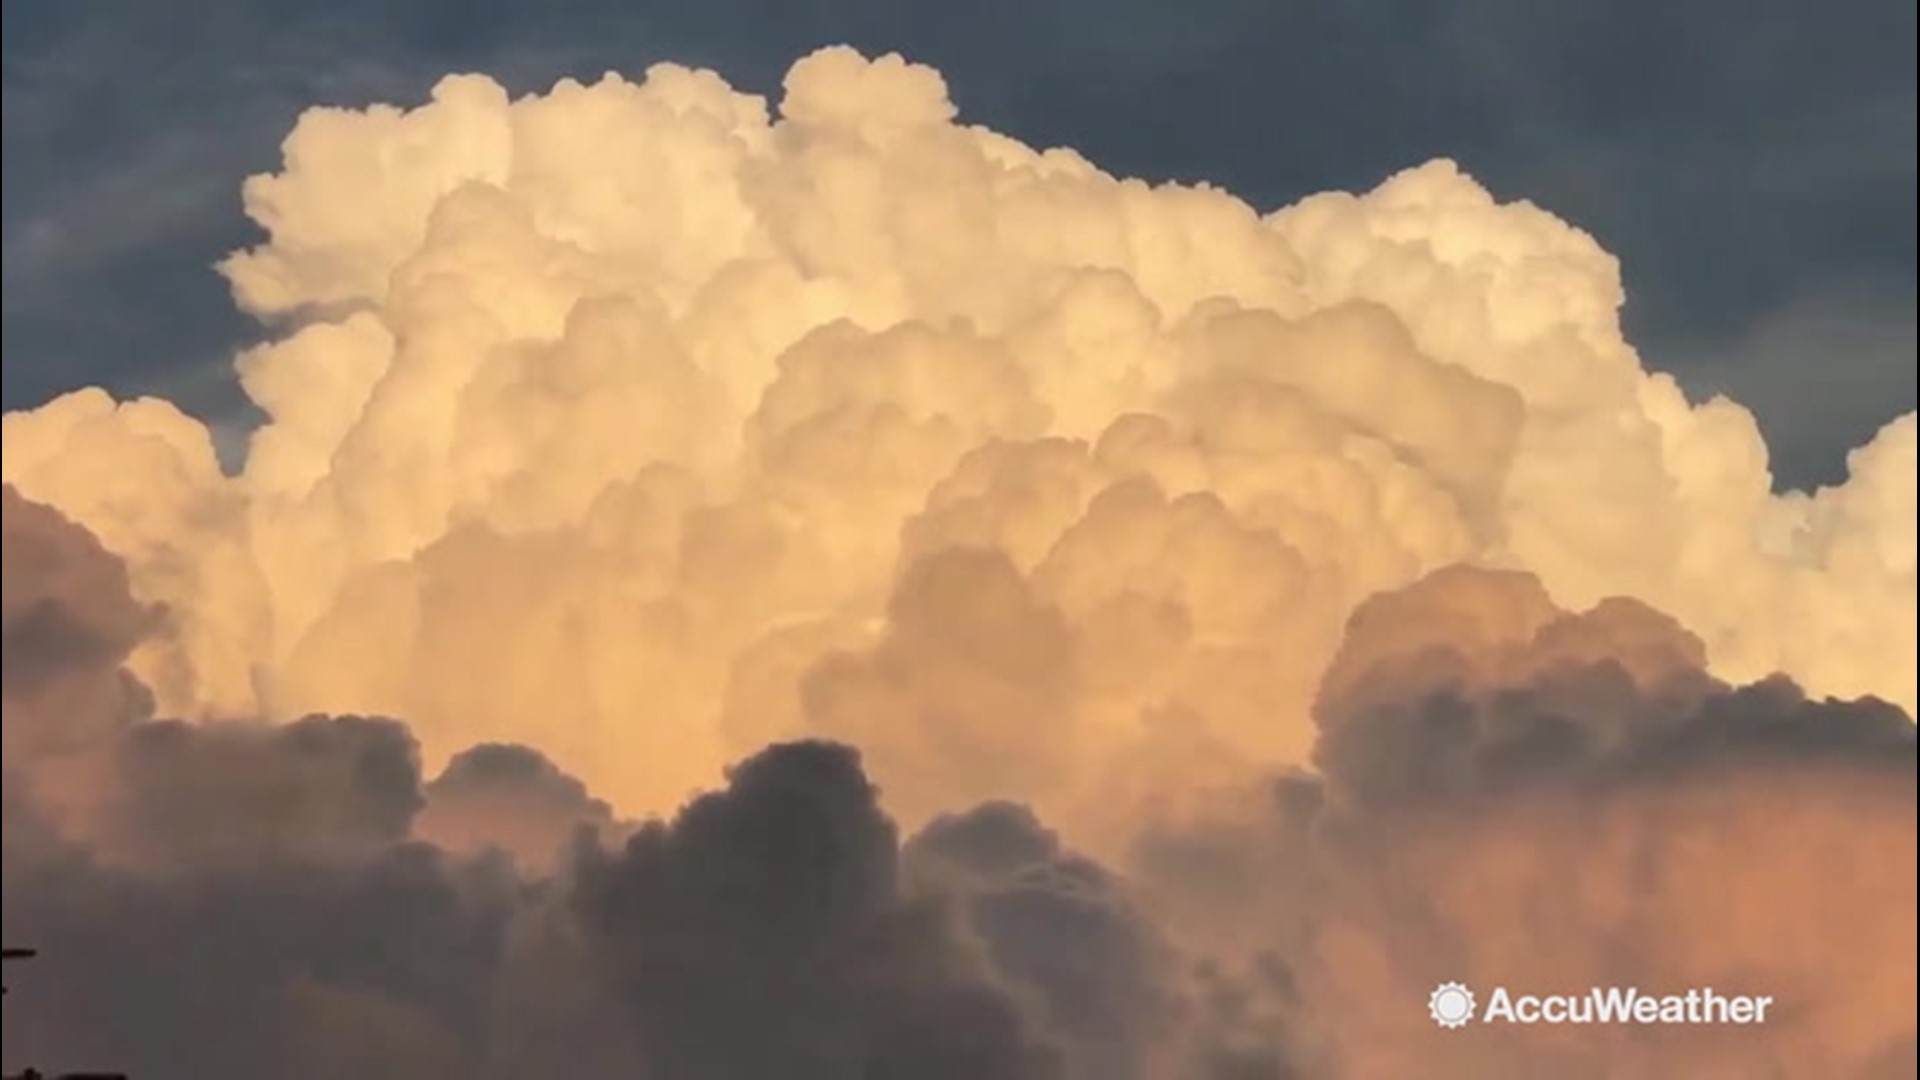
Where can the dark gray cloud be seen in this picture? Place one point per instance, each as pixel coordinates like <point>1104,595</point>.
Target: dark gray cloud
<point>510,797</point>
<point>243,794</point>
<point>1064,928</point>
<point>1616,694</point>
<point>244,902</point>
<point>69,622</point>
<point>1551,804</point>
<point>1740,157</point>
<point>764,933</point>
<point>378,968</point>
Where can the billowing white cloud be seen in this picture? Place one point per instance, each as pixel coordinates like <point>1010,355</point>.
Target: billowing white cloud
<point>610,419</point>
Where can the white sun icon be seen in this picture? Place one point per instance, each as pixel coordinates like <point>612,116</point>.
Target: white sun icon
<point>1450,1005</point>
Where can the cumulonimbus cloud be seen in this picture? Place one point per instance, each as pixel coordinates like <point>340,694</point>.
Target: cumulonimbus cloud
<point>619,433</point>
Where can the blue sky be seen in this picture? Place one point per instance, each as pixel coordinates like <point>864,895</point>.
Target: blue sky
<point>1752,162</point>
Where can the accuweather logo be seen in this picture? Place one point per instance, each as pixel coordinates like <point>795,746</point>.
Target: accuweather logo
<point>1452,1005</point>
